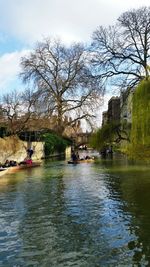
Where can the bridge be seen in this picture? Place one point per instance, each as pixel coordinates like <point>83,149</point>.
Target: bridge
<point>81,139</point>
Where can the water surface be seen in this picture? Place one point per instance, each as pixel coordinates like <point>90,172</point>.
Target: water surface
<point>62,215</point>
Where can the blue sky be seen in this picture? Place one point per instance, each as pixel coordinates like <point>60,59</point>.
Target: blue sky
<point>23,22</point>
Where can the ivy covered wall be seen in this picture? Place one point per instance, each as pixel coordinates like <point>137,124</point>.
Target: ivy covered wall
<point>140,130</point>
<point>54,143</point>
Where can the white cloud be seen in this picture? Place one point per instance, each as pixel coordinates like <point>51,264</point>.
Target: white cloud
<point>10,68</point>
<point>29,20</point>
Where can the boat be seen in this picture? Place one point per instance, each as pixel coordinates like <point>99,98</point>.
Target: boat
<point>23,167</point>
<point>81,161</point>
<point>3,171</point>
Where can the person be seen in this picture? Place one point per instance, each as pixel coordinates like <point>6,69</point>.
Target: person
<point>30,152</point>
<point>73,156</point>
<point>111,149</point>
<point>6,164</point>
<point>103,152</point>
<point>87,157</point>
<point>26,161</point>
<point>77,155</point>
<point>13,163</point>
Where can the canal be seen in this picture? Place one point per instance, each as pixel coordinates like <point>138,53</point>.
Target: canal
<point>85,215</point>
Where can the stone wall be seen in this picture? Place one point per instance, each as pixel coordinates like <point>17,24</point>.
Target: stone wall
<point>68,152</point>
<point>12,148</point>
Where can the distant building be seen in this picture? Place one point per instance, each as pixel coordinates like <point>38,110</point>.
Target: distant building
<point>126,105</point>
<point>104,118</point>
<point>113,112</point>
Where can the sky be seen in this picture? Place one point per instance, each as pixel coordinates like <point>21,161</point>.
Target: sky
<point>24,22</point>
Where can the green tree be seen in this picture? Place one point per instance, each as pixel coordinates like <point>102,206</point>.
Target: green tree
<point>54,143</point>
<point>140,130</point>
<point>110,133</point>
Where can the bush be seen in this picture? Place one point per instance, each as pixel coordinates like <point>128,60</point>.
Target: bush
<point>104,136</point>
<point>54,143</point>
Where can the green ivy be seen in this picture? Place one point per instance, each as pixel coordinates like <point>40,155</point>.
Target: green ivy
<point>104,136</point>
<point>140,130</point>
<point>54,143</point>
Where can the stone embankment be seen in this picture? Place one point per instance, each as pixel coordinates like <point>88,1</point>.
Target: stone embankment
<point>12,148</point>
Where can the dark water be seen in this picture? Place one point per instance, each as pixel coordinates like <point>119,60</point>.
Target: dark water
<point>88,215</point>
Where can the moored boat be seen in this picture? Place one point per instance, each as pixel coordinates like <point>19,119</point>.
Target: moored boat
<point>23,166</point>
<point>3,171</point>
<point>81,161</point>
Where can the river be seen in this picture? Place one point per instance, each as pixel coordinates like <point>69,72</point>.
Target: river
<point>85,215</point>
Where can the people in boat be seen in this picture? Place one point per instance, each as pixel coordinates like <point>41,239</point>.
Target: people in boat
<point>2,167</point>
<point>27,160</point>
<point>6,164</point>
<point>87,157</point>
<point>103,152</point>
<point>77,155</point>
<point>107,151</point>
<point>74,156</point>
<point>12,163</point>
<point>110,150</point>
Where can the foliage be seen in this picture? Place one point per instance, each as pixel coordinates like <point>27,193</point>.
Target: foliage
<point>140,131</point>
<point>110,133</point>
<point>3,131</point>
<point>54,143</point>
<point>103,136</point>
<point>139,151</point>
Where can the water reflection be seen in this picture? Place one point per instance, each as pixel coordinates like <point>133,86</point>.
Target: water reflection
<point>83,215</point>
<point>131,184</point>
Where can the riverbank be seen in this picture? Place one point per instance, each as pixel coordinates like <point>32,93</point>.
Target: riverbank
<point>12,148</point>
<point>140,153</point>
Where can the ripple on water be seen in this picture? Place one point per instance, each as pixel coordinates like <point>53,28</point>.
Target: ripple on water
<point>82,215</point>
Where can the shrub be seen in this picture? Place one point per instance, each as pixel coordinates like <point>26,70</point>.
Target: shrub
<point>54,143</point>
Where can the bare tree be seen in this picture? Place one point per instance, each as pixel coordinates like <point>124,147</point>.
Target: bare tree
<point>17,109</point>
<point>63,80</point>
<point>122,52</point>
